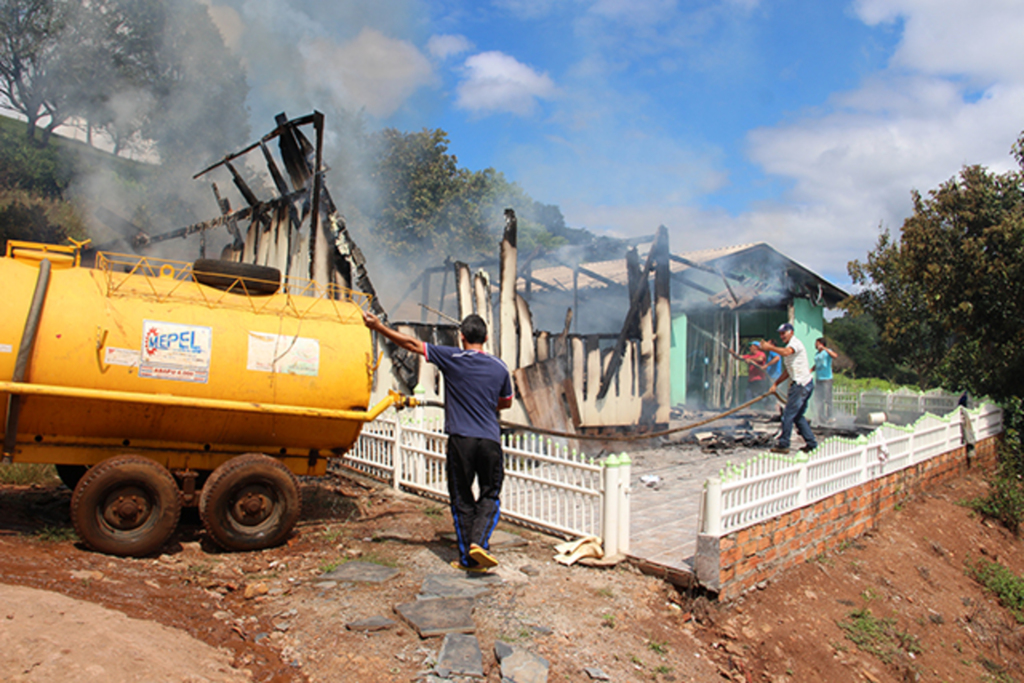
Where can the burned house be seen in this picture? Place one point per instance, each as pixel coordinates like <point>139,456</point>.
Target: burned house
<point>617,343</point>
<point>720,299</point>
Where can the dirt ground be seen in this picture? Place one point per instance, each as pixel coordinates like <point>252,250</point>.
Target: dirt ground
<point>270,616</point>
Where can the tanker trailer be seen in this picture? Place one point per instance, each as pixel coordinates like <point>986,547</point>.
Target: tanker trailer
<point>154,384</point>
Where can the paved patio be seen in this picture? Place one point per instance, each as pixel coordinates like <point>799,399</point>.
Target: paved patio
<point>664,517</point>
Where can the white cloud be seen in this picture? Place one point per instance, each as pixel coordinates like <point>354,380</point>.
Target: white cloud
<point>979,39</point>
<point>444,46</point>
<point>373,71</point>
<point>496,82</point>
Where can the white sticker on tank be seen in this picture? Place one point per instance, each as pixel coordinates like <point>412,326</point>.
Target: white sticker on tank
<point>176,352</point>
<point>6,348</point>
<point>283,354</point>
<point>115,356</point>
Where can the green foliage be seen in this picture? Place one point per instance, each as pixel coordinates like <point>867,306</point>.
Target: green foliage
<point>27,473</point>
<point>909,333</point>
<point>141,70</point>
<point>1004,501</point>
<point>859,384</point>
<point>1005,498</point>
<point>56,534</point>
<point>948,295</point>
<point>880,637</point>
<point>427,205</point>
<point>857,336</point>
<point>998,579</point>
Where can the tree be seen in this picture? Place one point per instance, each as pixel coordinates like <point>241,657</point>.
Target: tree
<point>948,296</point>
<point>33,65</point>
<point>909,333</point>
<point>135,68</point>
<point>858,337</point>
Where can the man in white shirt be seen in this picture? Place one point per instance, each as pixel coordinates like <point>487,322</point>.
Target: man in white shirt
<point>798,368</point>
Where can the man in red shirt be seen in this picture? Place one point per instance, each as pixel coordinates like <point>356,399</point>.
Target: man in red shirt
<point>757,379</point>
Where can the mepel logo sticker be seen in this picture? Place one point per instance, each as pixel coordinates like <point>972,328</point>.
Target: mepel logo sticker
<point>175,352</point>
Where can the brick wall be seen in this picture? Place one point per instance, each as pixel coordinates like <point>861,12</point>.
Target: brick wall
<point>736,562</point>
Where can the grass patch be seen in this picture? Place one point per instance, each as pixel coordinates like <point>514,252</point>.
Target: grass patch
<point>880,637</point>
<point>608,621</point>
<point>56,534</point>
<point>25,473</point>
<point>1003,503</point>
<point>998,579</point>
<point>605,592</point>
<point>434,512</point>
<point>660,647</point>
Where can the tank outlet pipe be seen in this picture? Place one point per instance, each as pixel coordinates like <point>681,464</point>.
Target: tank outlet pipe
<point>25,389</point>
<point>28,343</point>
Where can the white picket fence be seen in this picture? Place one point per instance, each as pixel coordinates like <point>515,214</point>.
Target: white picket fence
<point>547,486</point>
<point>770,485</point>
<point>900,402</point>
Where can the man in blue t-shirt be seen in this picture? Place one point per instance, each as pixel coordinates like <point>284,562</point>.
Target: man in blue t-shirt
<point>823,378</point>
<point>476,386</point>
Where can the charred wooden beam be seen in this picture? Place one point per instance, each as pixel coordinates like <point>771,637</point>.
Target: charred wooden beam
<point>663,323</point>
<point>482,294</point>
<point>295,149</point>
<point>232,225</point>
<point>275,172</point>
<point>527,350</point>
<point>620,344</point>
<point>243,187</point>
<point>507,292</point>
<point>464,288</point>
<point>281,128</point>
<point>707,269</point>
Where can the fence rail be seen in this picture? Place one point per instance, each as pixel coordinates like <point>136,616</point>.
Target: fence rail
<point>547,485</point>
<point>904,402</point>
<point>769,484</point>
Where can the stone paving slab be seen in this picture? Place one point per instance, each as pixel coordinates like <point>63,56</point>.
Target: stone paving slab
<point>362,572</point>
<point>519,665</point>
<point>448,586</point>
<point>439,617</point>
<point>377,623</point>
<point>460,656</point>
<point>499,540</point>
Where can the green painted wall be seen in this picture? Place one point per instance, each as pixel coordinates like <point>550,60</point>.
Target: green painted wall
<point>808,324</point>
<point>678,360</point>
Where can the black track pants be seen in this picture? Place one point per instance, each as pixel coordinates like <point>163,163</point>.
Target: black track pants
<point>475,518</point>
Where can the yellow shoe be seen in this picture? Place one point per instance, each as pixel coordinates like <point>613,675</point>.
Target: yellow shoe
<point>482,557</point>
<point>461,567</point>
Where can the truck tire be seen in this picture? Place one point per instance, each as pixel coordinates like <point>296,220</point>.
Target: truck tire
<point>250,502</point>
<point>239,278</point>
<point>126,505</point>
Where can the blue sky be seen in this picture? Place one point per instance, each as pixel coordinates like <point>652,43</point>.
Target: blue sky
<point>803,123</point>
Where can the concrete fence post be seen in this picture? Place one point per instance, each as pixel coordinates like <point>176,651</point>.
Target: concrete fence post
<point>625,472</point>
<point>712,514</point>
<point>610,520</point>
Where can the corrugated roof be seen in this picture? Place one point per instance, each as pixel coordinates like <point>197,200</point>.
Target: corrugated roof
<point>561,277</point>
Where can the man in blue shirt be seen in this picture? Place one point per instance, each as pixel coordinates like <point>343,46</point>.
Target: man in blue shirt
<point>476,386</point>
<point>823,378</point>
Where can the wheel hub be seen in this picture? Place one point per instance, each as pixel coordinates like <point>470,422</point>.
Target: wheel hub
<point>126,508</point>
<point>252,506</point>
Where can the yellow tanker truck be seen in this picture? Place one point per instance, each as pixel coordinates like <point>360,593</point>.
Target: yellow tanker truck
<point>154,384</point>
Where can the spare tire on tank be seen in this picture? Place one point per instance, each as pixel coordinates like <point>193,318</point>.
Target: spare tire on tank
<point>241,278</point>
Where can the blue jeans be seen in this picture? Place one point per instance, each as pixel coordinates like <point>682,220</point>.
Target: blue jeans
<point>796,405</point>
